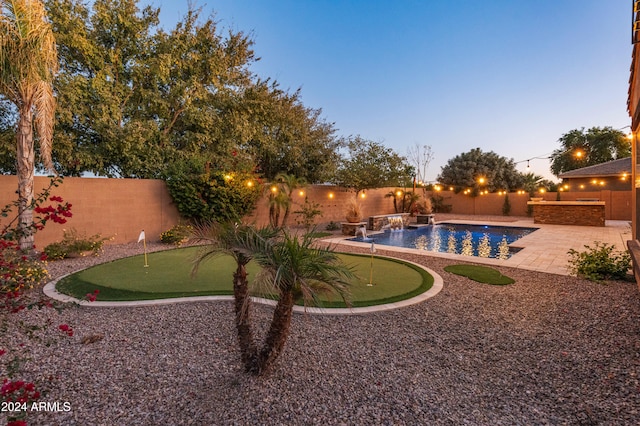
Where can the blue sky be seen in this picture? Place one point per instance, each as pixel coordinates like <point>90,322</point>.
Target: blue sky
<point>509,76</point>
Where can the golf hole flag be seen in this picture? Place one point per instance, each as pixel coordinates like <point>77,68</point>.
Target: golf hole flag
<point>142,238</point>
<point>373,250</point>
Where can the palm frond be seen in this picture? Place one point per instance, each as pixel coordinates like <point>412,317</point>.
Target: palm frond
<point>240,241</point>
<point>294,265</point>
<point>44,103</point>
<point>28,64</point>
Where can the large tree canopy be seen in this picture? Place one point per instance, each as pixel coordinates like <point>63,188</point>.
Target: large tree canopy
<point>133,97</point>
<point>581,149</point>
<point>371,165</point>
<point>477,170</point>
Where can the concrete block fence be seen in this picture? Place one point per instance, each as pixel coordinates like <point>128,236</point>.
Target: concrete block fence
<point>121,208</point>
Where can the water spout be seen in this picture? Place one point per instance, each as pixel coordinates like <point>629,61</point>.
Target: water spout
<point>362,231</point>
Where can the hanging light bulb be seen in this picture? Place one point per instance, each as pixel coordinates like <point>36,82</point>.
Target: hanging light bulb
<point>528,165</point>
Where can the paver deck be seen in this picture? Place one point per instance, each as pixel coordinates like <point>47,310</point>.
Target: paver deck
<point>544,250</point>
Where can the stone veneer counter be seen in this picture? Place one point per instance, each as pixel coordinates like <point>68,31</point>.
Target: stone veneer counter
<point>582,213</point>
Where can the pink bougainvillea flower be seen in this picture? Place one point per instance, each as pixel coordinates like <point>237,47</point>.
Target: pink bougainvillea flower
<point>91,297</point>
<point>2,352</point>
<point>66,329</point>
<point>56,198</point>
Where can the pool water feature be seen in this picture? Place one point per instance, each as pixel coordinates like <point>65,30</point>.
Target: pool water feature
<point>456,238</point>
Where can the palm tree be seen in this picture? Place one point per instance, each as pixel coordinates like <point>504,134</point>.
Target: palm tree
<point>291,270</point>
<point>288,184</point>
<point>28,63</point>
<point>278,200</point>
<point>240,242</point>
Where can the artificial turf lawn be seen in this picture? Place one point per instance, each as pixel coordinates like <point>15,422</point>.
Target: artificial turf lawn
<point>169,275</point>
<point>481,274</point>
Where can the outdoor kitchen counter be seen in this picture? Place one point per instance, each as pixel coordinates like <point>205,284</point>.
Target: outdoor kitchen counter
<point>582,213</point>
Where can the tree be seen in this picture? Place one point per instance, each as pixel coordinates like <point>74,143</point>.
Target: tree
<point>134,97</point>
<point>420,158</point>
<point>293,269</point>
<point>281,197</point>
<point>371,165</point>
<point>8,119</point>
<point>240,242</point>
<point>28,63</point>
<point>595,146</point>
<point>477,170</point>
<point>403,201</point>
<point>286,137</point>
<point>532,183</point>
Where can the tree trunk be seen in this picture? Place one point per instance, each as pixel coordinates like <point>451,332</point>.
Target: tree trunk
<point>25,169</point>
<point>286,215</point>
<point>248,349</point>
<point>274,215</point>
<point>278,332</point>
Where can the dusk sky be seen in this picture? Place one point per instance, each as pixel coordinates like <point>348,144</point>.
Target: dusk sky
<point>509,76</point>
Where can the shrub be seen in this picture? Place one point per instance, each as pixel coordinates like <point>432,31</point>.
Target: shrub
<point>437,201</point>
<point>600,262</point>
<point>353,212</point>
<point>506,206</point>
<point>24,269</point>
<point>74,245</point>
<point>307,213</point>
<point>178,234</point>
<point>202,195</point>
<point>333,226</point>
<point>19,270</point>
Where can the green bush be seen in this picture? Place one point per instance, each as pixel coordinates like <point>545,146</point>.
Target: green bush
<point>600,262</point>
<point>438,205</point>
<point>333,226</point>
<point>73,244</point>
<point>178,234</point>
<point>214,196</point>
<point>307,213</point>
<point>506,206</point>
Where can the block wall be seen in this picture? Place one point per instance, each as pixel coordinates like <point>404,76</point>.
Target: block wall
<point>118,208</point>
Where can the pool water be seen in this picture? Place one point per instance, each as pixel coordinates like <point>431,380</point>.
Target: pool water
<point>455,238</point>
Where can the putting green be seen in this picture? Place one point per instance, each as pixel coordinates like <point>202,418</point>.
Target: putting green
<point>481,274</point>
<point>169,275</point>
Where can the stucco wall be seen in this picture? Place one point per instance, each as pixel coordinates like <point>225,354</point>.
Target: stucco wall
<point>118,208</point>
<point>121,208</point>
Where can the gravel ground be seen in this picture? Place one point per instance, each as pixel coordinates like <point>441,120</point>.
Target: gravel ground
<point>548,349</point>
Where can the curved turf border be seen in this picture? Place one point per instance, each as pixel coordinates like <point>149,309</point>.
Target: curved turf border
<point>72,286</point>
<point>427,283</point>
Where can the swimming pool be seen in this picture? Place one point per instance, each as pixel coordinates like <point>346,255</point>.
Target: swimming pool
<point>456,238</point>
